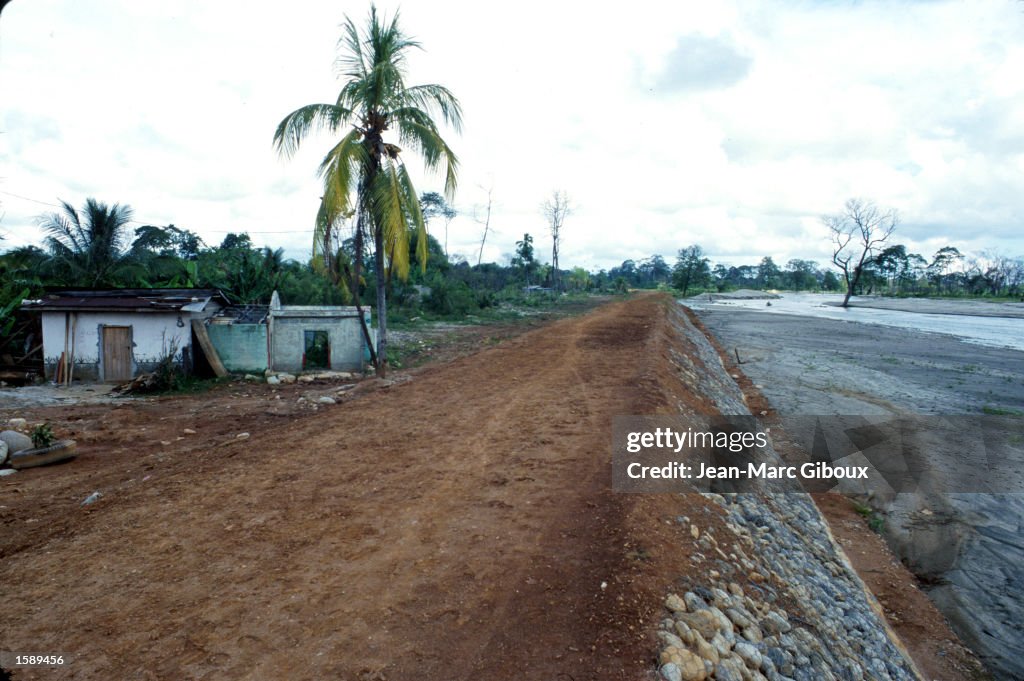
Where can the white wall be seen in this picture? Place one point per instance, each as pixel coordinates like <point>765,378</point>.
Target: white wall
<point>151,334</point>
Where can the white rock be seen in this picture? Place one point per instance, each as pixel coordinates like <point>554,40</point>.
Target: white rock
<point>286,378</point>
<point>16,441</point>
<point>251,377</point>
<point>17,424</point>
<point>3,452</point>
<point>273,380</point>
<point>7,471</point>
<point>242,436</point>
<point>326,400</point>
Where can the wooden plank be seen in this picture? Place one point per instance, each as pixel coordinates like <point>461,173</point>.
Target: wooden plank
<point>207,346</point>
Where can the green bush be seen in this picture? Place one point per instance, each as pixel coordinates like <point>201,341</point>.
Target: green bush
<point>42,436</point>
<point>450,299</point>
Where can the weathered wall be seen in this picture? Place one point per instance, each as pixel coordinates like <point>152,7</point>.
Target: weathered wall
<point>152,334</point>
<point>344,334</point>
<point>241,347</point>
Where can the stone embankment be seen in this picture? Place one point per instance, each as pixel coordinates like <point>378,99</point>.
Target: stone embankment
<point>778,599</point>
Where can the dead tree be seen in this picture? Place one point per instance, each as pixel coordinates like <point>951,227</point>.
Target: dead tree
<point>555,210</point>
<point>856,234</point>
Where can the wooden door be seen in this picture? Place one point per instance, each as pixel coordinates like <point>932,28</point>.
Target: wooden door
<point>117,353</point>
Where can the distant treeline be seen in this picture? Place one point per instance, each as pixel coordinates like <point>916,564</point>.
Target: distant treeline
<point>892,271</point>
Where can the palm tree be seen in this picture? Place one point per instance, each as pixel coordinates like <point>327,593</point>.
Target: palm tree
<point>365,174</point>
<point>90,248</point>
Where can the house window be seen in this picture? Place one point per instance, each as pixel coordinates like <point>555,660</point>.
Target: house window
<point>317,353</point>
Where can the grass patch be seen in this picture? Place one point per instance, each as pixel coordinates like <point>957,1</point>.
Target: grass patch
<point>875,521</point>
<point>1000,411</point>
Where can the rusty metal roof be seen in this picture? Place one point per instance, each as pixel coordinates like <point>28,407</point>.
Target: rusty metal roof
<point>126,300</point>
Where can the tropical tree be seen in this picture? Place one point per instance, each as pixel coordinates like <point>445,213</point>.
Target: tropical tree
<point>363,172</point>
<point>692,269</point>
<point>89,248</point>
<point>524,260</point>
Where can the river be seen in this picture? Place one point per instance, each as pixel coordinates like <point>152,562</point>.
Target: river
<point>1004,332</point>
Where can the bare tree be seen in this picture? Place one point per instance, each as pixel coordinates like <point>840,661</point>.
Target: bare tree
<point>555,210</point>
<point>856,233</point>
<point>486,222</point>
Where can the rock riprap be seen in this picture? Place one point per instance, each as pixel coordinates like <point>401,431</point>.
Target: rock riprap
<point>777,601</point>
<point>806,618</point>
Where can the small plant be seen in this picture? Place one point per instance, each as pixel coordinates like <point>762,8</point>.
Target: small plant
<point>42,436</point>
<point>999,411</point>
<point>862,510</point>
<point>875,521</point>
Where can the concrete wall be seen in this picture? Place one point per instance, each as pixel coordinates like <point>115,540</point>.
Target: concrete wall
<point>242,347</point>
<point>152,334</point>
<point>288,341</point>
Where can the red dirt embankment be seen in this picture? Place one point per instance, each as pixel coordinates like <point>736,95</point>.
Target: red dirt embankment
<point>455,526</point>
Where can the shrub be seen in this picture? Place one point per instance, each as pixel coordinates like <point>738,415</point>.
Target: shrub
<point>42,436</point>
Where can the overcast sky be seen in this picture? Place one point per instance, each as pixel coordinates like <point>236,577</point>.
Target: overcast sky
<point>732,125</point>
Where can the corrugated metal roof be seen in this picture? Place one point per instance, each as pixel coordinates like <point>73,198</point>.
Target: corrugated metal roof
<point>135,300</point>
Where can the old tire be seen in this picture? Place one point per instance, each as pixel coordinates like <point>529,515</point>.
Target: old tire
<point>55,453</point>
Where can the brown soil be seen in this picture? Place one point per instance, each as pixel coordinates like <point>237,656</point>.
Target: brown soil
<point>935,649</point>
<point>453,523</point>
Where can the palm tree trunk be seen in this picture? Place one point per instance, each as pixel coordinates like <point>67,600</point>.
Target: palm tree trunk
<point>382,303</point>
<point>358,268</point>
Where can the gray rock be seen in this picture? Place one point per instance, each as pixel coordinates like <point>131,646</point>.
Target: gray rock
<point>671,672</point>
<point>748,653</point>
<point>782,660</point>
<point>739,618</point>
<point>16,442</point>
<point>273,380</point>
<point>326,400</point>
<point>694,602</point>
<point>775,623</point>
<point>3,452</point>
<point>7,471</point>
<point>720,644</point>
<point>92,498</point>
<point>286,378</point>
<point>17,423</point>
<point>729,669</point>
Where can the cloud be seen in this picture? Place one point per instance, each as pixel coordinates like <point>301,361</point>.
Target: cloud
<point>729,124</point>
<point>701,63</point>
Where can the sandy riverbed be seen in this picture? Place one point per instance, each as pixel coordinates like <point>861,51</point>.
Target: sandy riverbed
<point>971,308</point>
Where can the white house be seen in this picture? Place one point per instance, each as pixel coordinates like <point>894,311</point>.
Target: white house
<point>114,335</point>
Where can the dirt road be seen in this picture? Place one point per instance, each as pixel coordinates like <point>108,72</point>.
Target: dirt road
<point>458,525</point>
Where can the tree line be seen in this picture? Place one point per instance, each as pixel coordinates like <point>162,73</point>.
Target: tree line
<point>892,271</point>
